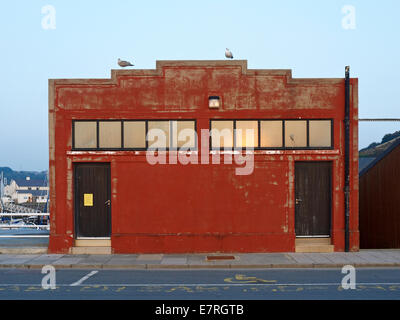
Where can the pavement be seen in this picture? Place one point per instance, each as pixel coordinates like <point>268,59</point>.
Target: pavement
<point>363,258</point>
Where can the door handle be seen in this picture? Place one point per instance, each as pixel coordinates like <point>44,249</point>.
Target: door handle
<point>107,203</point>
<point>298,201</point>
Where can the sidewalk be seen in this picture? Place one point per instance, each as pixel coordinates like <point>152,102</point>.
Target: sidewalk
<point>363,258</point>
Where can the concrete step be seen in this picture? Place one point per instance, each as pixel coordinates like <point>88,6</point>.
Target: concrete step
<point>313,241</point>
<point>92,243</point>
<point>314,245</point>
<point>91,250</point>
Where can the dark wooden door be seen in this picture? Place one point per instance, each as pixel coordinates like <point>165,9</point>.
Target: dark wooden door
<point>92,200</point>
<point>313,198</point>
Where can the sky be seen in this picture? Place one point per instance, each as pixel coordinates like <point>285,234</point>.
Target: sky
<point>41,40</point>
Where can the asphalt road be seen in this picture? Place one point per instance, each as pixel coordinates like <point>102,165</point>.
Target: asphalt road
<point>210,284</point>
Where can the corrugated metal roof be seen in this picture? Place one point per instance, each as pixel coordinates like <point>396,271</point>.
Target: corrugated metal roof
<point>364,162</point>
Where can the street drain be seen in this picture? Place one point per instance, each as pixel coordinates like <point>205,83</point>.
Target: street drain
<point>220,258</point>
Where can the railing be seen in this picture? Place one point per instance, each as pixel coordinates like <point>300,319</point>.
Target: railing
<point>12,207</point>
<point>25,225</point>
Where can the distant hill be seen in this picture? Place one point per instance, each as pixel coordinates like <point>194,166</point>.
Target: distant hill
<point>375,148</point>
<point>10,174</point>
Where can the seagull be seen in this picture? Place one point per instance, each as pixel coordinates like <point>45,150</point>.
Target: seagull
<point>123,63</point>
<point>228,54</point>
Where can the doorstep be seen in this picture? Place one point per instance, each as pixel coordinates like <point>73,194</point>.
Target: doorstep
<point>91,246</point>
<point>317,245</point>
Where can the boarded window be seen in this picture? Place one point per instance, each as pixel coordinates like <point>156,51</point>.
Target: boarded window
<point>222,134</point>
<point>295,133</point>
<point>320,133</point>
<point>85,134</point>
<point>134,134</point>
<point>110,134</point>
<point>271,134</point>
<point>158,134</point>
<point>183,134</point>
<point>246,134</point>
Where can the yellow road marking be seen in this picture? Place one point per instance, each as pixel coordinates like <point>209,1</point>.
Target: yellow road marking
<point>241,278</point>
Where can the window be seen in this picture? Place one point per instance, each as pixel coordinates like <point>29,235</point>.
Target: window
<point>295,133</point>
<point>110,134</point>
<point>85,134</point>
<point>174,134</point>
<point>158,134</point>
<point>246,134</point>
<point>320,133</point>
<point>221,134</point>
<point>271,134</point>
<point>135,134</point>
<point>183,134</point>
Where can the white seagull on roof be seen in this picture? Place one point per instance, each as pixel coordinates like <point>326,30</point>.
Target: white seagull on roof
<point>123,63</point>
<point>228,54</point>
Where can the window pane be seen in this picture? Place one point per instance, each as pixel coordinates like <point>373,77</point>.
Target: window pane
<point>158,134</point>
<point>184,134</point>
<point>295,133</point>
<point>271,134</point>
<point>246,134</point>
<point>110,134</point>
<point>85,134</point>
<point>222,134</point>
<point>134,134</point>
<point>320,133</point>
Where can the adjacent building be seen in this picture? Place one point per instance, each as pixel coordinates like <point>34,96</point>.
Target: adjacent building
<point>26,190</point>
<point>380,201</point>
<point>201,156</point>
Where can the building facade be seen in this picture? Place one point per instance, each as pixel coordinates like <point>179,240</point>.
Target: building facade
<point>201,156</point>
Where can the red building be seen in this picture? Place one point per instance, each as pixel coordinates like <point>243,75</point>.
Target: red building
<point>110,192</point>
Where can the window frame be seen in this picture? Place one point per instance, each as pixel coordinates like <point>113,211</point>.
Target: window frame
<point>283,147</point>
<point>146,121</point>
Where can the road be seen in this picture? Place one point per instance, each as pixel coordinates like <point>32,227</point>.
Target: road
<point>210,284</point>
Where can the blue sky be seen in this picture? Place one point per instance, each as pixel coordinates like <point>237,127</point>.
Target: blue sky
<point>305,36</point>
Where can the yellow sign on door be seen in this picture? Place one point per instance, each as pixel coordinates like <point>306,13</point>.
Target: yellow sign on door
<point>88,199</point>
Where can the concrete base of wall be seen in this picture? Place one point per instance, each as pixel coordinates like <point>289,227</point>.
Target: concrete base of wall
<point>314,245</point>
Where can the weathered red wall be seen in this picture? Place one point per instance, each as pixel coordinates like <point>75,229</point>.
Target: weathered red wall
<point>203,207</point>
